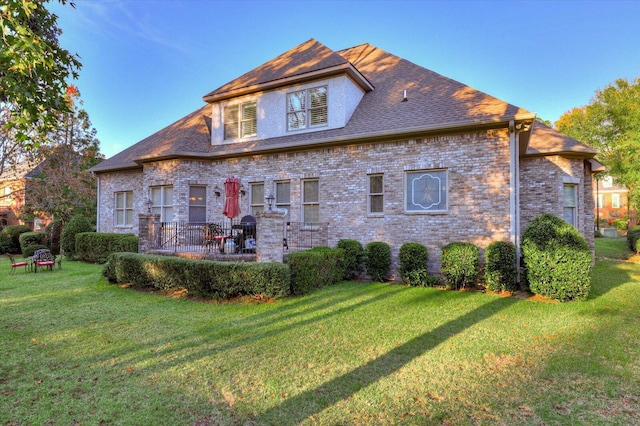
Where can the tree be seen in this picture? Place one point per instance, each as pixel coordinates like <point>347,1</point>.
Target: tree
<point>611,124</point>
<point>62,187</point>
<point>33,69</point>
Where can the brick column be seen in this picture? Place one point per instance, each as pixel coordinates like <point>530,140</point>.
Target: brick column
<point>148,224</point>
<point>270,232</point>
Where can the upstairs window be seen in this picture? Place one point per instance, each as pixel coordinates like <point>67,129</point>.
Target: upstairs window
<point>615,201</point>
<point>307,108</point>
<point>240,121</point>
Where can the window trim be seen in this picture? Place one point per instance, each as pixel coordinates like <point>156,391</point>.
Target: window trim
<point>307,108</point>
<point>163,206</point>
<point>370,194</point>
<point>574,214</point>
<point>444,190</point>
<point>280,205</point>
<point>199,206</point>
<point>256,205</point>
<point>239,120</point>
<point>304,203</point>
<point>615,200</point>
<point>122,209</point>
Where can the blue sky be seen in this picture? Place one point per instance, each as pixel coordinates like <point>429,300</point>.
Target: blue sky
<point>147,63</point>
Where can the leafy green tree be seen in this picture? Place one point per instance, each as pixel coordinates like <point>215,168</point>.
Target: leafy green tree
<point>33,69</point>
<point>62,187</point>
<point>611,124</point>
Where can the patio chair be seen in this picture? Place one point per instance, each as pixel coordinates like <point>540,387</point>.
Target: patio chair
<point>43,258</point>
<point>15,264</point>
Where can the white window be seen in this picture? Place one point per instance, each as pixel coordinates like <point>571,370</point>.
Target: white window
<point>307,108</point>
<point>162,198</point>
<point>570,204</point>
<point>615,201</point>
<point>257,197</point>
<point>600,201</point>
<point>310,201</point>
<point>197,204</point>
<point>375,197</point>
<point>283,198</point>
<point>124,209</point>
<point>426,191</point>
<point>240,121</point>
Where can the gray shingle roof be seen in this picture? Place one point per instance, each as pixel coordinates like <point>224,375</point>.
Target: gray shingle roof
<point>435,103</point>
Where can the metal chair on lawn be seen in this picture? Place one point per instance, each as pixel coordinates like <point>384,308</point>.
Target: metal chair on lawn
<point>15,264</point>
<point>43,258</point>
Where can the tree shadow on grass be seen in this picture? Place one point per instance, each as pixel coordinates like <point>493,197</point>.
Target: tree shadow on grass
<point>315,400</point>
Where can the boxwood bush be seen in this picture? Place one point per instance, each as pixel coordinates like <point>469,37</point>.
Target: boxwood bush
<point>378,260</point>
<point>95,247</point>
<point>205,278</point>
<point>460,264</point>
<point>76,225</point>
<point>353,257</point>
<point>557,259</point>
<point>315,268</point>
<point>412,265</point>
<point>32,241</point>
<point>10,238</point>
<point>500,266</point>
<point>633,235</point>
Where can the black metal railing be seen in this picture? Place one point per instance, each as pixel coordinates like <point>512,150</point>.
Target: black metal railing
<point>303,236</point>
<point>231,236</point>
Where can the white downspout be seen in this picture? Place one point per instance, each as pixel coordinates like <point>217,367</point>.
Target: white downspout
<point>514,193</point>
<point>98,204</point>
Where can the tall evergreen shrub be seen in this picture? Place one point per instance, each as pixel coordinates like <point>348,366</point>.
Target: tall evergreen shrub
<point>378,260</point>
<point>460,264</point>
<point>76,225</point>
<point>412,264</point>
<point>500,266</point>
<point>557,259</point>
<point>353,257</point>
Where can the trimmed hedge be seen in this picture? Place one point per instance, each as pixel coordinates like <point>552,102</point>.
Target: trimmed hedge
<point>32,241</point>
<point>633,235</point>
<point>460,264</point>
<point>500,266</point>
<point>353,257</point>
<point>315,268</point>
<point>216,280</point>
<point>95,247</point>
<point>412,265</point>
<point>378,260</point>
<point>557,259</point>
<point>76,225</point>
<point>10,238</point>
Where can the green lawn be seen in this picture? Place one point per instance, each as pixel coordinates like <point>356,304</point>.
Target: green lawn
<point>77,350</point>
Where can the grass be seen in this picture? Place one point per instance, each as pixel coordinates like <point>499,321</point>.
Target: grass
<point>77,350</point>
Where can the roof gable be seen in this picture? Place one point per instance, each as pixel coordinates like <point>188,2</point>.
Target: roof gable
<point>546,140</point>
<point>304,61</point>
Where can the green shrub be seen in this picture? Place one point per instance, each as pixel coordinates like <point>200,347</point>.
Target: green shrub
<point>557,259</point>
<point>217,280</point>
<point>10,238</point>
<point>27,251</point>
<point>353,257</point>
<point>412,264</point>
<point>378,260</point>
<point>76,225</point>
<point>620,224</point>
<point>633,235</point>
<point>54,231</point>
<point>500,266</point>
<point>637,250</point>
<point>460,264</point>
<point>315,268</point>
<point>29,239</point>
<point>95,247</point>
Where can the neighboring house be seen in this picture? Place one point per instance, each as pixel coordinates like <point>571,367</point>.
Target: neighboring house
<point>378,147</point>
<point>13,182</point>
<point>611,201</point>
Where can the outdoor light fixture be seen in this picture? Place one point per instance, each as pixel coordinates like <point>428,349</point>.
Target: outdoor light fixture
<point>270,199</point>
<point>149,203</point>
<point>216,191</point>
<point>242,191</point>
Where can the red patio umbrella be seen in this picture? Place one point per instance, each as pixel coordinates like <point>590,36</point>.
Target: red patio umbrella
<point>232,194</point>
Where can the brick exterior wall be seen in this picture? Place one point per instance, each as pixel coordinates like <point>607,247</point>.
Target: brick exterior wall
<point>478,190</point>
<point>541,190</point>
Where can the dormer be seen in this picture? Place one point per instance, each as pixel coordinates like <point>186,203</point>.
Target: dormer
<point>310,88</point>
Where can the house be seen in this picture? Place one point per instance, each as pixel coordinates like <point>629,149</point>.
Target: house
<point>376,147</point>
<point>611,201</point>
<point>13,184</point>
